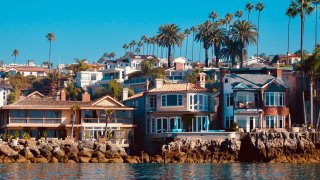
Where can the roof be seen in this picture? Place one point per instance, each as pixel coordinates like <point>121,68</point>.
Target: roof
<point>141,94</point>
<point>251,81</point>
<point>167,87</point>
<point>30,69</point>
<point>257,66</point>
<point>37,101</point>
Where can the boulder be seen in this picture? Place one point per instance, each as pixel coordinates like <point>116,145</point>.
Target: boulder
<point>132,159</point>
<point>7,160</point>
<point>112,150</point>
<point>35,151</point>
<point>19,159</point>
<point>116,159</point>
<point>145,158</point>
<point>157,159</point>
<point>71,161</point>
<point>83,159</point>
<point>25,152</point>
<point>46,151</point>
<point>7,151</point>
<point>85,152</point>
<point>40,160</point>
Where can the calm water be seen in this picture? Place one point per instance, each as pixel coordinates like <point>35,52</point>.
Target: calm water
<point>159,171</point>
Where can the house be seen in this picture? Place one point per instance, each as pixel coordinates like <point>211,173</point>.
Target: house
<point>286,59</point>
<point>169,109</point>
<point>46,116</point>
<point>254,101</point>
<point>5,90</point>
<point>85,78</point>
<point>28,70</point>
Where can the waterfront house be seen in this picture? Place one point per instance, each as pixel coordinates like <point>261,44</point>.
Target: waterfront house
<point>171,109</point>
<point>46,116</point>
<point>254,101</point>
<point>5,90</point>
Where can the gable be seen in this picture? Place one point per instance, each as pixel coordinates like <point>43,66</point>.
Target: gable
<point>35,94</point>
<point>240,86</point>
<point>107,101</point>
<point>274,86</point>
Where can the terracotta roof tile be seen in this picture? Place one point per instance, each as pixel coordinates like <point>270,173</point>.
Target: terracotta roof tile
<point>179,87</point>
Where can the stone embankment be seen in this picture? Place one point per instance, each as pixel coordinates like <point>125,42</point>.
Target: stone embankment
<point>281,147</point>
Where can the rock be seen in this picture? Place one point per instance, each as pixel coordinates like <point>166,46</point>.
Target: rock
<point>19,159</point>
<point>22,142</point>
<point>40,160</point>
<point>71,161</point>
<point>86,152</point>
<point>35,151</point>
<point>46,151</point>
<point>157,159</point>
<point>57,152</point>
<point>94,160</point>
<point>7,151</point>
<point>112,150</point>
<point>72,156</point>
<point>145,158</point>
<point>7,160</point>
<point>25,152</point>
<point>132,159</point>
<point>54,160</point>
<point>83,159</point>
<point>116,159</point>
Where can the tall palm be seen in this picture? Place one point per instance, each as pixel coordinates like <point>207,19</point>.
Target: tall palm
<point>231,50</point>
<point>143,40</point>
<point>168,36</point>
<point>302,7</point>
<point>137,51</point>
<point>112,55</point>
<point>74,109</point>
<point>187,32</point>
<point>249,8</point>
<point>259,8</point>
<point>51,37</point>
<point>217,38</point>
<point>245,33</point>
<point>203,36</point>
<point>316,3</point>
<point>133,43</point>
<point>291,13</point>
<point>194,30</point>
<point>228,18</point>
<point>182,36</point>
<point>125,47</point>
<point>239,14</point>
<point>15,53</point>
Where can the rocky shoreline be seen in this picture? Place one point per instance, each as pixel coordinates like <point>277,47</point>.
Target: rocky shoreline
<point>281,147</point>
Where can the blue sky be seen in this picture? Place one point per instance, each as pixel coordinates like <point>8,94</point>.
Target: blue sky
<point>88,28</point>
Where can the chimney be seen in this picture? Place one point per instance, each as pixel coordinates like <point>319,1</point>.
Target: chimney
<point>201,80</point>
<point>147,84</point>
<point>125,93</point>
<point>63,95</point>
<point>277,73</point>
<point>86,97</point>
<point>158,83</point>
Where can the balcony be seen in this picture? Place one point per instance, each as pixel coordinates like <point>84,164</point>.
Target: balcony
<point>103,120</point>
<point>35,120</point>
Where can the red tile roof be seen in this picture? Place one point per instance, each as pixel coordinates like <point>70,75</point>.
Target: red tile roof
<point>179,87</point>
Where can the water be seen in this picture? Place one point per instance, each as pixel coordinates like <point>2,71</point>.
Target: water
<point>159,171</point>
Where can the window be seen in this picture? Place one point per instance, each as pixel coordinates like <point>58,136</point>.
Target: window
<point>161,125</point>
<point>198,123</point>
<point>152,102</point>
<point>270,121</point>
<point>153,125</point>
<point>281,120</point>
<point>52,114</point>
<point>175,126</point>
<point>198,102</point>
<point>93,77</point>
<point>229,121</point>
<point>229,100</point>
<point>18,114</point>
<point>171,100</point>
<point>274,99</point>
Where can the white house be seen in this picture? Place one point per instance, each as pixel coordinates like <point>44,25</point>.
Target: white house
<point>85,78</point>
<point>5,90</point>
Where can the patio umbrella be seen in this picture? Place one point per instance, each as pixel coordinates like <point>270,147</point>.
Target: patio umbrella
<point>176,122</point>
<point>206,123</point>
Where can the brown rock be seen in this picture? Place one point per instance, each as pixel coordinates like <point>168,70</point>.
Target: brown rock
<point>83,159</point>
<point>19,159</point>
<point>25,152</point>
<point>132,159</point>
<point>6,160</point>
<point>40,160</point>
<point>71,161</point>
<point>116,159</point>
<point>145,158</point>
<point>86,153</point>
<point>54,160</point>
<point>94,160</point>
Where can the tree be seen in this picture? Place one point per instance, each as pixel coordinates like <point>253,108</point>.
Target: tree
<point>100,92</point>
<point>15,53</point>
<point>51,37</point>
<point>115,89</point>
<point>125,47</point>
<point>228,18</point>
<point>169,36</point>
<point>259,8</point>
<point>187,32</point>
<point>108,113</point>
<point>194,30</point>
<point>213,15</point>
<point>74,109</point>
<point>239,14</point>
<point>302,7</point>
<point>291,13</point>
<point>316,3</point>
<point>13,96</point>
<point>72,91</point>
<point>231,50</point>
<point>143,40</point>
<point>112,55</point>
<point>132,44</point>
<point>311,66</point>
<point>203,35</point>
<point>137,50</point>
<point>245,33</point>
<point>249,8</point>
<point>81,65</point>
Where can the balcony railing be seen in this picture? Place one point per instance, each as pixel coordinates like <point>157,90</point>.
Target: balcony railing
<point>246,105</point>
<point>36,120</point>
<point>103,120</point>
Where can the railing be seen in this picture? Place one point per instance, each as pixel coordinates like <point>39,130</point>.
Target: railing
<point>245,105</point>
<point>36,120</point>
<point>103,120</point>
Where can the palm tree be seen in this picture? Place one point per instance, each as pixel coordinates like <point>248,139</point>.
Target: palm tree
<point>194,30</point>
<point>231,50</point>
<point>125,47</point>
<point>228,18</point>
<point>291,13</point>
<point>169,36</point>
<point>249,8</point>
<point>112,55</point>
<point>217,38</point>
<point>302,7</point>
<point>245,33</point>
<point>72,91</point>
<point>74,109</point>
<point>15,53</point>
<point>108,113</point>
<point>133,43</point>
<point>182,36</point>
<point>316,3</point>
<point>187,32</point>
<point>143,40</point>
<point>203,36</point>
<point>137,51</point>
<point>51,37</point>
<point>239,14</point>
<point>213,15</point>
<point>259,8</point>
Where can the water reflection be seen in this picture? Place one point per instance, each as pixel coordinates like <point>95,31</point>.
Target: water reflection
<point>162,171</point>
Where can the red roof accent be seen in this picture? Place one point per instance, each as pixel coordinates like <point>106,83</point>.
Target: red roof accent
<point>180,87</point>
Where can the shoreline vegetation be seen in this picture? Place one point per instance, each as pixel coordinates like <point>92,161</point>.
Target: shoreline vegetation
<point>280,147</point>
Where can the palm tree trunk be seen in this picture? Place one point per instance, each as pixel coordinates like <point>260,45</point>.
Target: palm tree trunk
<point>217,53</point>
<point>153,48</point>
<point>248,16</point>
<point>186,54</point>
<point>258,34</point>
<point>192,44</point>
<point>212,52</point>
<point>14,63</point>
<point>143,48</point>
<point>302,33</point>
<point>207,57</point>
<point>242,56</point>
<point>49,55</point>
<point>200,52</point>
<point>304,109</point>
<point>311,100</point>
<point>316,29</point>
<point>288,39</point>
<point>105,129</point>
<point>169,56</point>
<point>72,123</point>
